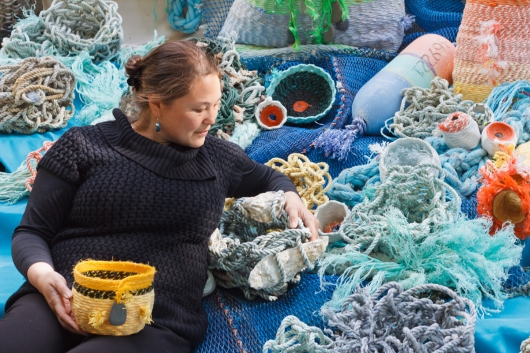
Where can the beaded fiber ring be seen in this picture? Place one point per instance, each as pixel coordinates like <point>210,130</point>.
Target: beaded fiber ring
<point>308,177</point>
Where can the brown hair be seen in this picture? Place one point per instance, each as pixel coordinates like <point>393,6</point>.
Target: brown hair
<point>169,71</point>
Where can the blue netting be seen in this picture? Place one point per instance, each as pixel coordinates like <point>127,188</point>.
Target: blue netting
<point>263,60</point>
<point>517,277</point>
<point>432,15</point>
<point>450,33</point>
<point>214,14</point>
<point>252,323</point>
<point>353,72</point>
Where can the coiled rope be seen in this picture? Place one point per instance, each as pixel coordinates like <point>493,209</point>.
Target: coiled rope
<point>422,109</point>
<point>253,228</point>
<point>36,95</point>
<point>390,320</point>
<point>525,346</point>
<point>184,15</point>
<point>17,185</point>
<point>309,178</point>
<point>66,28</point>
<point>242,90</point>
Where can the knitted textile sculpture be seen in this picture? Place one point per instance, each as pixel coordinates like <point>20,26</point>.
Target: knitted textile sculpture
<point>423,109</point>
<point>376,24</point>
<point>36,95</point>
<point>306,91</point>
<point>308,177</point>
<point>392,320</point>
<point>11,11</point>
<point>67,28</point>
<point>492,46</point>
<point>113,297</point>
<point>253,228</point>
<point>17,185</point>
<point>410,229</point>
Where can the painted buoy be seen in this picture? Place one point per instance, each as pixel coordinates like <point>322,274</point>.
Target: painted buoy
<point>498,135</point>
<point>428,56</point>
<point>459,130</point>
<point>330,216</point>
<point>408,151</point>
<point>271,114</point>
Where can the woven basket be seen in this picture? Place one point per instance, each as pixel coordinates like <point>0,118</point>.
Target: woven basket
<point>112,297</point>
<point>432,15</point>
<point>300,85</point>
<point>11,11</point>
<point>371,23</point>
<point>493,46</point>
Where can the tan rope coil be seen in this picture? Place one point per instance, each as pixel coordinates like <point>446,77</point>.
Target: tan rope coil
<point>309,178</point>
<point>36,95</point>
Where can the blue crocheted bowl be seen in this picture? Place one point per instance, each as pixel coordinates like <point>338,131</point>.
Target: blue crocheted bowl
<point>306,91</point>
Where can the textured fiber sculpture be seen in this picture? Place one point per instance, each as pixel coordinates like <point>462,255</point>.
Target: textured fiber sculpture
<point>490,46</point>
<point>113,297</point>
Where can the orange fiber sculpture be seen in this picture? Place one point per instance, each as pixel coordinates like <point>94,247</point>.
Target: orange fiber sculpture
<point>505,193</point>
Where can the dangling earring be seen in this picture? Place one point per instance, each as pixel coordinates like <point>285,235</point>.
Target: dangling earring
<point>157,125</point>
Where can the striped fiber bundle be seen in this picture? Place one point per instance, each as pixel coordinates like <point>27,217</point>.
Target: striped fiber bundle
<point>493,46</point>
<point>378,24</point>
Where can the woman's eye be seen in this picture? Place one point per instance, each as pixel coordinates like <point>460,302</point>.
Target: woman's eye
<point>197,110</point>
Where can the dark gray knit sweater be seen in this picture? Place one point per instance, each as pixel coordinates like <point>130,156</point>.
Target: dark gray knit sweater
<point>141,201</point>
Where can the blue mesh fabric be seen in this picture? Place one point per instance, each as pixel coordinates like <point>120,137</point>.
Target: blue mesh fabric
<point>214,14</point>
<point>252,323</point>
<point>432,15</point>
<point>449,33</point>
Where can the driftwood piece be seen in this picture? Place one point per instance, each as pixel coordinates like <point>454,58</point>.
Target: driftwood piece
<point>266,273</point>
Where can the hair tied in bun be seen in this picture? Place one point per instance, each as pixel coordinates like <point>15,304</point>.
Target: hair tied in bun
<point>133,82</point>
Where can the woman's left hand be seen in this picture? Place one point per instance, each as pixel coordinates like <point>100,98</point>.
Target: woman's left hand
<point>295,208</point>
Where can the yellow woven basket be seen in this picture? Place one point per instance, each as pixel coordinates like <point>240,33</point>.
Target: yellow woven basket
<point>113,297</point>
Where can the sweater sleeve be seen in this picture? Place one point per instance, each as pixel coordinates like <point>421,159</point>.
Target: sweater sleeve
<point>257,178</point>
<point>64,158</point>
<point>48,205</point>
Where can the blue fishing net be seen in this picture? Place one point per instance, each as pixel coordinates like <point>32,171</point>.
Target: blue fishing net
<point>214,14</point>
<point>432,15</point>
<point>238,325</point>
<point>449,33</point>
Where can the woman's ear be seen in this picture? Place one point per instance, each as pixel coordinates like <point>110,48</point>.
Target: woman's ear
<point>155,104</point>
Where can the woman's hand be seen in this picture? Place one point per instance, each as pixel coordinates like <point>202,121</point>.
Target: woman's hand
<point>53,287</point>
<point>295,208</point>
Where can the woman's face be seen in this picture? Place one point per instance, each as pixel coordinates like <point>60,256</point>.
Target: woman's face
<point>186,120</point>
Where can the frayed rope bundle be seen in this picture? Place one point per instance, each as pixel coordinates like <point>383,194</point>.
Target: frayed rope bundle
<point>391,320</point>
<point>17,185</point>
<point>253,228</point>
<point>405,230</point>
<point>36,95</point>
<point>242,90</point>
<point>427,108</point>
<point>308,177</point>
<point>68,27</point>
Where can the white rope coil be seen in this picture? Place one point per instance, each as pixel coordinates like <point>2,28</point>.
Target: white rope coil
<point>498,135</point>
<point>36,95</point>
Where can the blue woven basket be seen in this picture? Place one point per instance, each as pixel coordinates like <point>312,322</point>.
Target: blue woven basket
<point>432,15</point>
<point>307,83</point>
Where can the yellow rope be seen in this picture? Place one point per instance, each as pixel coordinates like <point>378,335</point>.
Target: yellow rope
<point>309,178</point>
<point>142,279</point>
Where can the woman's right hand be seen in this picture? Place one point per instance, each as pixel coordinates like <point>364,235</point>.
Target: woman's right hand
<point>53,287</point>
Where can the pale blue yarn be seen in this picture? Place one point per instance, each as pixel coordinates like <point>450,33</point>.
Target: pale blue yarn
<point>501,101</point>
<point>244,134</point>
<point>175,10</point>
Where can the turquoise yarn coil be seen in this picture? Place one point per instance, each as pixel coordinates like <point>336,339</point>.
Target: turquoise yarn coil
<point>68,28</point>
<point>184,15</point>
<point>301,82</point>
